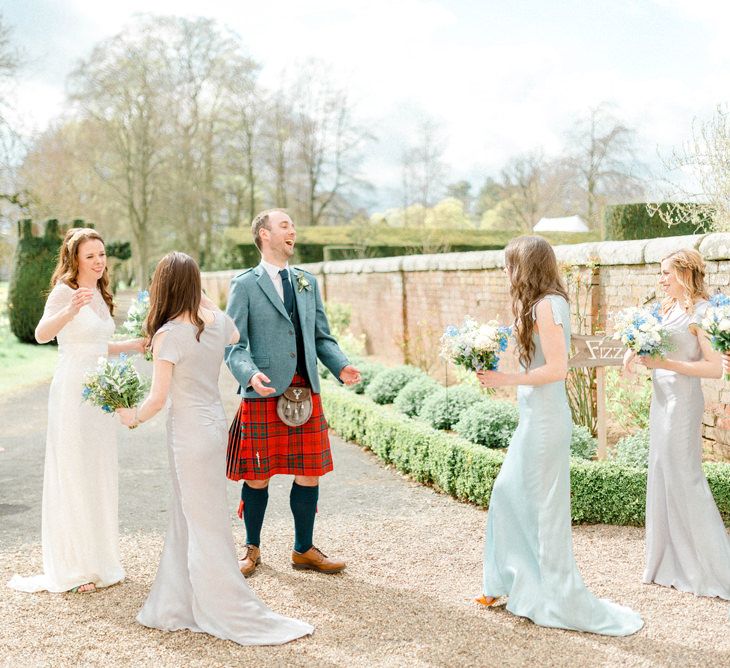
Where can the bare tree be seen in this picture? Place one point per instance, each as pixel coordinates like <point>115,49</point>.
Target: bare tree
<point>532,187</point>
<point>423,166</point>
<point>124,89</point>
<point>601,150</point>
<point>327,143</point>
<point>706,203</point>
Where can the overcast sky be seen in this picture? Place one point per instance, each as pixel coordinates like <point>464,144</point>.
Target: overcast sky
<point>504,76</point>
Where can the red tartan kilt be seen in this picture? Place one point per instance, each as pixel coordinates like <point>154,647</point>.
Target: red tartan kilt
<point>261,445</point>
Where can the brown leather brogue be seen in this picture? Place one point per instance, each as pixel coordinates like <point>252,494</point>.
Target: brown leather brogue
<point>251,559</point>
<point>315,560</point>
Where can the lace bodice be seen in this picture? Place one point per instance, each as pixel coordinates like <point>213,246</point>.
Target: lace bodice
<point>92,325</point>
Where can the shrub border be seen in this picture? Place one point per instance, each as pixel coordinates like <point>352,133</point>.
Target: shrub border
<point>601,492</point>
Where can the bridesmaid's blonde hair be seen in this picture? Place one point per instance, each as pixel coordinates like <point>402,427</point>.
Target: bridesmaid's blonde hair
<point>67,267</point>
<point>689,268</point>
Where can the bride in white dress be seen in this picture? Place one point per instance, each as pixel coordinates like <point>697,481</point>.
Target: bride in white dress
<point>80,533</point>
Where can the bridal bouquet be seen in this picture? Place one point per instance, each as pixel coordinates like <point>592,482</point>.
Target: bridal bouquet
<point>716,323</point>
<point>133,325</point>
<point>114,384</point>
<point>475,347</point>
<point>640,329</point>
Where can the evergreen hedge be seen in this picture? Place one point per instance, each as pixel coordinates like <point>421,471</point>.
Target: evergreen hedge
<point>601,492</point>
<point>381,241</point>
<point>33,265</point>
<point>632,221</point>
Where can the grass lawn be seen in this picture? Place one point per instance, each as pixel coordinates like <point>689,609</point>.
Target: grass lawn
<point>21,364</point>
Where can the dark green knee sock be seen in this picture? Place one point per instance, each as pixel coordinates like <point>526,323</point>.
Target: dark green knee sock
<point>254,509</point>
<point>303,504</point>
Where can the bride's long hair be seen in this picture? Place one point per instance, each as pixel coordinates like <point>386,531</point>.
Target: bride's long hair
<point>533,274</point>
<point>689,268</point>
<point>174,291</point>
<point>67,267</point>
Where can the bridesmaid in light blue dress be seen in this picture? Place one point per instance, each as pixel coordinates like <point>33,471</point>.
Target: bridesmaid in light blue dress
<point>687,545</point>
<point>528,553</point>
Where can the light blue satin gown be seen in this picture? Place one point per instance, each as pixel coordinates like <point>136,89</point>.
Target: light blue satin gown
<point>528,552</point>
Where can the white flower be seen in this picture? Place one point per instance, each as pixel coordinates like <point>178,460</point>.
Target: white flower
<point>724,325</point>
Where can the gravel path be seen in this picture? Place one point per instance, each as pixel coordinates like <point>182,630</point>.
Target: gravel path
<point>414,560</point>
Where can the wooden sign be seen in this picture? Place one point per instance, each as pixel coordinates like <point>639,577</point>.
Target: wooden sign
<point>596,351</point>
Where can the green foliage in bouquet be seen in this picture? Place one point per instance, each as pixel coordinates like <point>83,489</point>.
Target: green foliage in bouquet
<point>489,422</point>
<point>410,399</point>
<point>114,384</point>
<point>443,409</point>
<point>385,386</point>
<point>34,261</point>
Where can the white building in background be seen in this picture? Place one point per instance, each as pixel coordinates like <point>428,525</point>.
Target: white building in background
<point>566,224</point>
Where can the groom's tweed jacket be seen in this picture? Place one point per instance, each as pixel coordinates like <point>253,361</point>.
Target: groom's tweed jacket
<point>268,340</point>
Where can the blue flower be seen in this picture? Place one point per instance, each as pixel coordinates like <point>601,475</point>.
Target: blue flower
<point>86,392</point>
<point>451,331</point>
<point>142,295</point>
<point>107,409</point>
<point>719,299</point>
<point>122,357</point>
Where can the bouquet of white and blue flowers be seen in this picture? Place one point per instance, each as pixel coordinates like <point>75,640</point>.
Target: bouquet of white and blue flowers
<point>641,329</point>
<point>716,323</point>
<point>136,314</point>
<point>475,347</point>
<point>114,384</point>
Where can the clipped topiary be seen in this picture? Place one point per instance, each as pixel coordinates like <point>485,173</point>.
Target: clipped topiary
<point>582,443</point>
<point>632,450</point>
<point>35,259</point>
<point>443,408</point>
<point>410,399</point>
<point>384,387</point>
<point>489,422</point>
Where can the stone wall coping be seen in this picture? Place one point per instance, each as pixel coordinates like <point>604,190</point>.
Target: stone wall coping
<point>713,246</point>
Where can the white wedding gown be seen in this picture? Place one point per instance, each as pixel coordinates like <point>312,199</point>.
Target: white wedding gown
<point>80,533</point>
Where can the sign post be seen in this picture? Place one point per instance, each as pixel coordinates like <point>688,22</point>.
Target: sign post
<point>597,351</point>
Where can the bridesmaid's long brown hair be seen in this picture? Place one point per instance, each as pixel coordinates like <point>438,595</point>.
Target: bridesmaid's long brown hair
<point>533,274</point>
<point>175,290</point>
<point>67,267</point>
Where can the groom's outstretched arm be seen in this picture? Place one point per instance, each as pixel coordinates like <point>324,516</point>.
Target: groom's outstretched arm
<point>238,357</point>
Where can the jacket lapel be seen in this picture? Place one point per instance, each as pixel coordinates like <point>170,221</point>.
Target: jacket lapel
<point>300,297</point>
<point>270,291</point>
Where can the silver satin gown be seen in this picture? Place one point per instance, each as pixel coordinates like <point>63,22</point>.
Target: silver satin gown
<point>198,585</point>
<point>687,545</point>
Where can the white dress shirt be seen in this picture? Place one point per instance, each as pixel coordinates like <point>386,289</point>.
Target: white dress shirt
<point>273,271</point>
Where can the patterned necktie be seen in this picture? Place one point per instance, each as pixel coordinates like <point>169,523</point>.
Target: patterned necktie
<point>288,292</point>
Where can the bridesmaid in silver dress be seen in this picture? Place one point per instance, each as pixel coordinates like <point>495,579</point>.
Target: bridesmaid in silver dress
<point>687,545</point>
<point>198,584</point>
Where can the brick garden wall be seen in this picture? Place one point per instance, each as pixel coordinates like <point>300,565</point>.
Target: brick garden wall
<point>402,305</point>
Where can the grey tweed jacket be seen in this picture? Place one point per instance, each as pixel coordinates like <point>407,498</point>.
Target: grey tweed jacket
<point>268,343</point>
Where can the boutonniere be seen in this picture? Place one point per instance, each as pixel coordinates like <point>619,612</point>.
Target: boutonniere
<point>302,283</point>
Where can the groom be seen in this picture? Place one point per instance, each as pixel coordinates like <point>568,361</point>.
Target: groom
<point>280,316</point>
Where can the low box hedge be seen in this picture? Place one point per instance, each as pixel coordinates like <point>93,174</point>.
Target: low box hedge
<point>602,492</point>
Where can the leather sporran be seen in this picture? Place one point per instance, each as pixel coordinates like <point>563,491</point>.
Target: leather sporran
<point>294,407</point>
